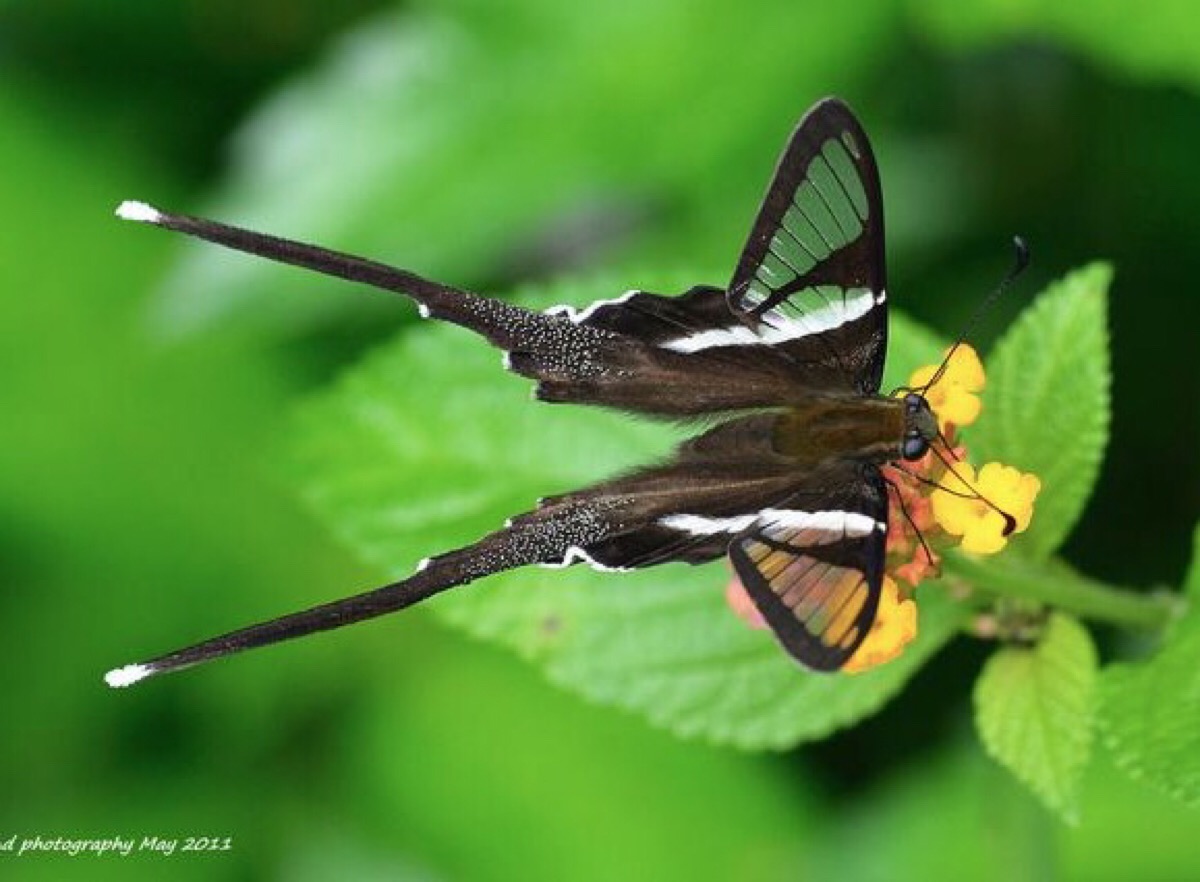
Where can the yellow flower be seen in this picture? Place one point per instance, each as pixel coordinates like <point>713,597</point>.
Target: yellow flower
<point>894,628</point>
<point>980,525</point>
<point>953,397</point>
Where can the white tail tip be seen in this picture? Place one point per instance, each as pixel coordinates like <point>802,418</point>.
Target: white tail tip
<point>138,211</point>
<point>127,676</point>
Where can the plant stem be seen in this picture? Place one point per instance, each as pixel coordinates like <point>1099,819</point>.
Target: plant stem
<point>1062,587</point>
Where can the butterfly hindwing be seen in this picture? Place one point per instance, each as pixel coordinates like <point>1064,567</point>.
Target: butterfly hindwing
<point>814,567</point>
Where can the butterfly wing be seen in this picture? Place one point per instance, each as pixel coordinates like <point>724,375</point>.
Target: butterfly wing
<point>815,573</point>
<point>808,316</point>
<point>815,256</point>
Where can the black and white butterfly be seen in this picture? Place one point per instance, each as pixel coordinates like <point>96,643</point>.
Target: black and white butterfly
<point>790,354</point>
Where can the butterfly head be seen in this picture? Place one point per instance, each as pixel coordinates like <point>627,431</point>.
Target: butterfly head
<point>920,427</point>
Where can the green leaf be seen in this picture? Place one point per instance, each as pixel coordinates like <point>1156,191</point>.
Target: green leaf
<point>428,445</point>
<point>1034,709</point>
<point>1150,712</point>
<point>1191,584</point>
<point>672,650</point>
<point>924,822</point>
<point>1046,405</point>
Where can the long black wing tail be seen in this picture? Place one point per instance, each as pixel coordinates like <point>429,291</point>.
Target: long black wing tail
<point>564,349</point>
<point>554,534</point>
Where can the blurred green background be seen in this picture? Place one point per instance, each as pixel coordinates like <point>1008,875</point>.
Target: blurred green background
<point>147,389</point>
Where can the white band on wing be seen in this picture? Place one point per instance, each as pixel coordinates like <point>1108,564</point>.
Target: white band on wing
<point>840,523</point>
<point>782,328</point>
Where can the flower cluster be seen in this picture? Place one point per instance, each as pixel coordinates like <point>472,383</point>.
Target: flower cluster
<point>936,502</point>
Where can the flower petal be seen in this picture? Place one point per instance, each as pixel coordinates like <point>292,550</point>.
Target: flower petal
<point>978,522</point>
<point>953,397</point>
<point>894,628</point>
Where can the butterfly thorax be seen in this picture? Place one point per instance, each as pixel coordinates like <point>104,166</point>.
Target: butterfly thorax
<point>872,429</point>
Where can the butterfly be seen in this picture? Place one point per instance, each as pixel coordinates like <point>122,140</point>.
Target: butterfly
<point>789,357</point>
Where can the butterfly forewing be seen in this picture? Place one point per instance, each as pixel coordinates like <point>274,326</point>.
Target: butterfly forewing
<point>813,265</point>
<point>815,574</point>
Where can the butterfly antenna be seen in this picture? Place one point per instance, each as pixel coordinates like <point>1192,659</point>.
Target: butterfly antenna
<point>1010,523</point>
<point>1020,262</point>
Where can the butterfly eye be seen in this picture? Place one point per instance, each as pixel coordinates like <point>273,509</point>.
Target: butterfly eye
<point>913,402</point>
<point>914,446</point>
